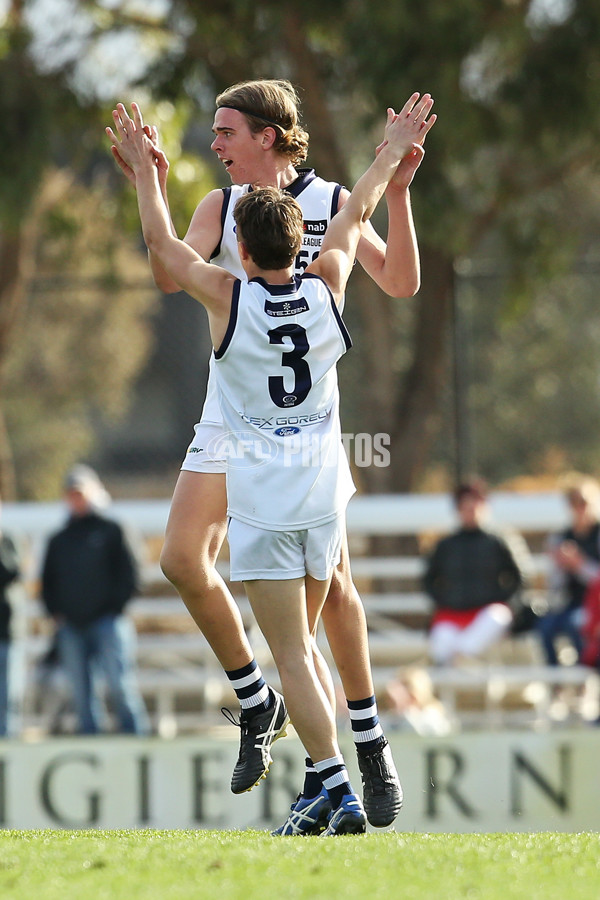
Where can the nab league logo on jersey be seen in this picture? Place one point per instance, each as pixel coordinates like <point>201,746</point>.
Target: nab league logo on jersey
<point>244,449</point>
<point>316,227</point>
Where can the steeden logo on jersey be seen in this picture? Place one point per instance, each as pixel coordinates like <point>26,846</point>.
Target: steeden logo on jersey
<point>286,307</point>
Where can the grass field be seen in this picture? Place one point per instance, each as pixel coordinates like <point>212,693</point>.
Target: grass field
<point>226,865</point>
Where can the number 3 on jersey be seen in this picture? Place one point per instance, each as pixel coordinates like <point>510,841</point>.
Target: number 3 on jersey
<point>295,361</point>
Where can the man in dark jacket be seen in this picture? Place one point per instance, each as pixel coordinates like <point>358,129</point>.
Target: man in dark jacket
<point>89,574</point>
<point>471,576</point>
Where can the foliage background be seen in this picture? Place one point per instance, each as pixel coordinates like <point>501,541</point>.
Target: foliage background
<point>493,366</point>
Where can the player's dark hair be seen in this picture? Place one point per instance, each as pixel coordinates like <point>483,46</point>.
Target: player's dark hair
<point>269,222</point>
<point>270,102</point>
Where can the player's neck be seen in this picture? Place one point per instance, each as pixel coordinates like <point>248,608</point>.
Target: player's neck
<point>280,174</point>
<point>271,276</point>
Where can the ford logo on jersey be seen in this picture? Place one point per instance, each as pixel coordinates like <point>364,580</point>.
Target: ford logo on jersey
<point>286,432</point>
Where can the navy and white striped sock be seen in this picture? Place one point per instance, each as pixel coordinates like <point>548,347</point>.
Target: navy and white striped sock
<point>335,779</point>
<point>250,687</point>
<point>312,781</point>
<point>366,727</point>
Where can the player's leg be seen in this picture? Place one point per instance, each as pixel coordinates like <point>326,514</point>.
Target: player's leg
<point>310,811</point>
<point>195,532</point>
<point>280,611</point>
<point>346,628</point>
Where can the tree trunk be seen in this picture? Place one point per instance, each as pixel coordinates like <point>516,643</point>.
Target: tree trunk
<point>12,290</point>
<point>416,418</point>
<point>372,382</point>
<point>17,261</point>
<point>407,412</point>
<point>326,155</point>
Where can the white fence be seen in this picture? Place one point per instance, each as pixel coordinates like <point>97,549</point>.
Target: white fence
<point>380,514</point>
<point>177,665</point>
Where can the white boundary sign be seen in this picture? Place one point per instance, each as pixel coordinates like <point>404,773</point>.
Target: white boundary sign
<point>484,782</point>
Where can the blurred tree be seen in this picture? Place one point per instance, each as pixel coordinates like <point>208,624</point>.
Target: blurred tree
<point>534,377</point>
<point>82,338</point>
<point>516,84</point>
<point>517,89</point>
<point>75,293</point>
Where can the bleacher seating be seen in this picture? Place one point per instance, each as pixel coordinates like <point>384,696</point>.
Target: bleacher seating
<point>183,684</point>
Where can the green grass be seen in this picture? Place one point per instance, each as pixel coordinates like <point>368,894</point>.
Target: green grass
<point>226,865</point>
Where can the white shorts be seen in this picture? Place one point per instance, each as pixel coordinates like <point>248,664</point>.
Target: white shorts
<point>205,453</point>
<point>255,553</point>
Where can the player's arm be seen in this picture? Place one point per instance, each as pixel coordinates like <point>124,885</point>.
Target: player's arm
<point>204,232</point>
<point>203,235</point>
<point>394,264</point>
<point>340,244</point>
<point>209,284</point>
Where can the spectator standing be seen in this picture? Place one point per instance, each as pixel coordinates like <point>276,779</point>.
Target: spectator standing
<point>89,574</point>
<point>9,576</point>
<point>574,564</point>
<point>471,576</point>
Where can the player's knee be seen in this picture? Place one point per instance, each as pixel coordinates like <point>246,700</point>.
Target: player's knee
<point>341,590</point>
<point>179,565</point>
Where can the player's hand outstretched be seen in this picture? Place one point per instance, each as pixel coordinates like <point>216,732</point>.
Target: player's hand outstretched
<point>416,122</point>
<point>126,143</point>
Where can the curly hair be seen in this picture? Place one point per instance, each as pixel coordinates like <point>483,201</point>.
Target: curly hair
<point>270,102</point>
<point>269,222</point>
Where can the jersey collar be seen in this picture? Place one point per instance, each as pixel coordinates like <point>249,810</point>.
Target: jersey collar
<point>278,290</point>
<point>305,176</point>
<point>295,188</point>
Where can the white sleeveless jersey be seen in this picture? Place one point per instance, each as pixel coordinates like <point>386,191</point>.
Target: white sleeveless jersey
<point>286,466</point>
<point>318,200</point>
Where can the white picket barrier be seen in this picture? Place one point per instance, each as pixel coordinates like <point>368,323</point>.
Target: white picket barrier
<point>177,663</point>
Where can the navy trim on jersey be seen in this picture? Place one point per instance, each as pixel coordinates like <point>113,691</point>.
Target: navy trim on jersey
<point>278,290</point>
<point>335,200</point>
<point>338,316</point>
<point>224,208</point>
<point>341,324</point>
<point>233,316</point>
<point>305,176</point>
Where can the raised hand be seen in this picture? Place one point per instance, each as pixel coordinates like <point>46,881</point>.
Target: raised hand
<point>122,145</point>
<point>416,123</point>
